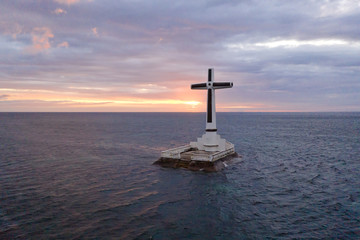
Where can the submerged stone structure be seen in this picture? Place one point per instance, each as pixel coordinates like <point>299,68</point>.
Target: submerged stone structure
<point>210,152</point>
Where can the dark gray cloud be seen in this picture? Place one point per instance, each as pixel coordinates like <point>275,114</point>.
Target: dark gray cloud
<point>4,96</point>
<point>288,55</point>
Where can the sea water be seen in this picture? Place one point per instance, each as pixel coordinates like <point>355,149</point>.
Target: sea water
<point>90,175</point>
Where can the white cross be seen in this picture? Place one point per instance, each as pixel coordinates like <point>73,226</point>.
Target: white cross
<point>210,86</point>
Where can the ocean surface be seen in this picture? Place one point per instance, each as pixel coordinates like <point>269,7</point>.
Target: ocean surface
<point>90,176</point>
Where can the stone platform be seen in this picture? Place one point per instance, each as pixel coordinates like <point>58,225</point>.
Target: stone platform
<point>197,160</point>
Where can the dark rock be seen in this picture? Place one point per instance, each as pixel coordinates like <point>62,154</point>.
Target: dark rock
<point>205,166</point>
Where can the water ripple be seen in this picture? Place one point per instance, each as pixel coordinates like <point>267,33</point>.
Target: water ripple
<point>76,176</point>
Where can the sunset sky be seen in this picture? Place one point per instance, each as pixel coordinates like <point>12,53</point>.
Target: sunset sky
<point>142,55</point>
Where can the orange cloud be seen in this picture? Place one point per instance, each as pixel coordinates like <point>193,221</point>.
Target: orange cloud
<point>40,39</point>
<point>71,99</point>
<point>68,2</point>
<point>59,11</point>
<point>94,31</point>
<point>63,44</point>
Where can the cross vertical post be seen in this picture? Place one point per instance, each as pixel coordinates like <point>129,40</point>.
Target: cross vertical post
<point>211,110</point>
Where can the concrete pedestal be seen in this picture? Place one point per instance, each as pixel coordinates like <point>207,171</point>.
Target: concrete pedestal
<point>195,159</point>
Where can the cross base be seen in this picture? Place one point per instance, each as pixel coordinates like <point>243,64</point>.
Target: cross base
<point>210,142</point>
<point>198,160</point>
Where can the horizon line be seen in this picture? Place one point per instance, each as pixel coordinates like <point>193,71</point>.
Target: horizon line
<point>182,112</point>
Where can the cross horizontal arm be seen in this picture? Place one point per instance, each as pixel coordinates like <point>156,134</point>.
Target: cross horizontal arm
<point>219,85</point>
<point>199,86</point>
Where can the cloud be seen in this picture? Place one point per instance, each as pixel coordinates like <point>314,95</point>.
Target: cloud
<point>338,8</point>
<point>40,39</point>
<point>71,2</point>
<point>4,96</point>
<point>291,43</point>
<point>11,28</point>
<point>95,31</point>
<point>63,44</point>
<point>287,54</point>
<point>59,11</point>
<point>67,2</point>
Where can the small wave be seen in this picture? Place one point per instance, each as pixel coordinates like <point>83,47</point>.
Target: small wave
<point>6,224</point>
<point>314,178</point>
